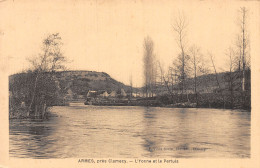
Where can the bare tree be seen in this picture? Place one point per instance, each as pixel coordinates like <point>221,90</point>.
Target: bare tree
<point>203,69</point>
<point>180,26</point>
<point>149,67</point>
<point>50,60</point>
<point>238,55</point>
<point>182,69</point>
<point>131,87</point>
<point>231,74</point>
<point>196,61</point>
<point>243,42</point>
<point>217,80</point>
<point>242,63</point>
<point>164,80</point>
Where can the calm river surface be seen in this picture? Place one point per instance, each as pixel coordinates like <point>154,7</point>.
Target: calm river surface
<point>127,132</point>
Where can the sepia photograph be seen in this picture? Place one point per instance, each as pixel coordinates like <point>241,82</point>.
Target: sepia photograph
<point>128,82</point>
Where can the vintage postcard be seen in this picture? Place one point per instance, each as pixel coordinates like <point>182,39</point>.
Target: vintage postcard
<point>138,83</point>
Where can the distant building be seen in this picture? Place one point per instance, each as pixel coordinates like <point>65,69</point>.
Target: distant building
<point>123,93</point>
<point>92,93</point>
<point>103,94</point>
<point>81,96</point>
<point>113,94</point>
<point>69,94</point>
<point>134,95</point>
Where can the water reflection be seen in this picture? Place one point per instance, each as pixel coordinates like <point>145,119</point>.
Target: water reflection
<point>31,136</point>
<point>150,132</point>
<point>127,132</point>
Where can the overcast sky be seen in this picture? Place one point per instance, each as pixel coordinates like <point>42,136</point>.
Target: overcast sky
<point>108,35</point>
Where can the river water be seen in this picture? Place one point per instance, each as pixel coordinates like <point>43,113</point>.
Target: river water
<point>130,132</point>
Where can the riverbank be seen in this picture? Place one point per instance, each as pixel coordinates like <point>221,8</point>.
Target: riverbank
<point>159,104</point>
<point>21,113</point>
<point>204,101</point>
<point>210,100</point>
<point>179,105</point>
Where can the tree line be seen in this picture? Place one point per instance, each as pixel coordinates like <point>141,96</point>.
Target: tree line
<point>180,79</point>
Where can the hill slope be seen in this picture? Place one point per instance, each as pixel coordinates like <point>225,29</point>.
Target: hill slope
<point>80,82</point>
<point>208,83</point>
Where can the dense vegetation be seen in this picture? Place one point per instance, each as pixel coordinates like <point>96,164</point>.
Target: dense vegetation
<point>52,89</point>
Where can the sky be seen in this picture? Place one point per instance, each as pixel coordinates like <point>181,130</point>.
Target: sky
<point>107,36</point>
